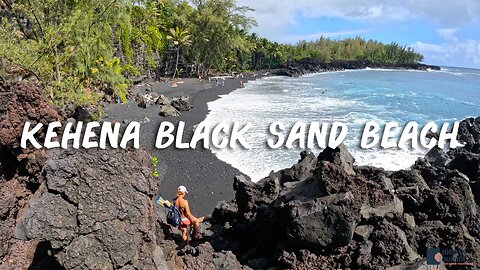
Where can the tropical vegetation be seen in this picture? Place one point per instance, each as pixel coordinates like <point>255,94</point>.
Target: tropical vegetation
<point>80,50</point>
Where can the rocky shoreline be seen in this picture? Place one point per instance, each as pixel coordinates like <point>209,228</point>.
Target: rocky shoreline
<point>326,213</point>
<point>311,65</point>
<point>57,207</point>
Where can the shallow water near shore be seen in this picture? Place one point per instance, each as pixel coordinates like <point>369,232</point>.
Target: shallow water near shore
<point>351,97</point>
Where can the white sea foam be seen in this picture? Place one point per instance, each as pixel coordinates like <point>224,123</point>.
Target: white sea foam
<point>353,98</point>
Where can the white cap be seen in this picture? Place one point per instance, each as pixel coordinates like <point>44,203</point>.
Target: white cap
<point>182,189</point>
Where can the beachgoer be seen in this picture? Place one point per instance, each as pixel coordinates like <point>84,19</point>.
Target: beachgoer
<point>187,218</point>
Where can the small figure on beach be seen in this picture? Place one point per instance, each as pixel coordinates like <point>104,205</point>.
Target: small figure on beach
<point>187,218</point>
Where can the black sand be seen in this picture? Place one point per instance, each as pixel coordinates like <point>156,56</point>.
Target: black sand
<point>207,179</point>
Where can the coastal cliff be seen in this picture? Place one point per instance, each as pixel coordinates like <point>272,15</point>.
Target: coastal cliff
<point>311,65</point>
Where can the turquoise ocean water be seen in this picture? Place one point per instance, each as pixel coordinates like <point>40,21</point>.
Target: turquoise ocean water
<point>352,97</point>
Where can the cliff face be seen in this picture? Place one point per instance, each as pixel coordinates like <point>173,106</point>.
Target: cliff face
<point>74,209</point>
<point>20,169</point>
<point>95,210</point>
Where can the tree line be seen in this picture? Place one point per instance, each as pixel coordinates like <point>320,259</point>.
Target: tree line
<point>80,50</point>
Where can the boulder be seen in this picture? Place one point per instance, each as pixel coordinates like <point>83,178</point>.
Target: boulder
<point>392,208</point>
<point>167,110</point>
<point>364,231</point>
<point>141,102</point>
<point>203,256</point>
<point>465,161</point>
<point>303,191</point>
<point>144,101</point>
<point>339,156</point>
<point>224,211</point>
<point>469,131</point>
<point>408,178</point>
<point>246,193</point>
<point>162,100</point>
<point>437,157</point>
<point>301,170</point>
<point>95,199</point>
<point>328,222</point>
<point>388,246</point>
<point>49,218</point>
<point>22,102</point>
<point>181,103</point>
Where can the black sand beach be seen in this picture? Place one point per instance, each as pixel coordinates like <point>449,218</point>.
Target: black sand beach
<point>207,179</point>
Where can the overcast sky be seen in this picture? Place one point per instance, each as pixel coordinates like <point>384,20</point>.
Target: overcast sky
<point>446,32</point>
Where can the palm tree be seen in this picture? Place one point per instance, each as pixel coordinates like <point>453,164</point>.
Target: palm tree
<point>179,38</point>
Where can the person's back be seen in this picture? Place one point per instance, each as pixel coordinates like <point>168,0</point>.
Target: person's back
<point>187,218</point>
<point>182,205</point>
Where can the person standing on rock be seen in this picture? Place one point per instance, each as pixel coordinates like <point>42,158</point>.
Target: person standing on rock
<point>187,218</point>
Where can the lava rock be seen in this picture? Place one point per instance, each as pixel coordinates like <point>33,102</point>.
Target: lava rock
<point>340,156</point>
<point>95,198</point>
<point>163,100</point>
<point>437,157</point>
<point>181,104</point>
<point>168,110</point>
<point>325,223</point>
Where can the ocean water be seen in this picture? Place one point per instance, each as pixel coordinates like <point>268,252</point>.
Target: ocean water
<point>351,97</point>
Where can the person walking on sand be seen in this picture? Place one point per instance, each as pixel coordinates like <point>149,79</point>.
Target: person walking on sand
<point>187,218</point>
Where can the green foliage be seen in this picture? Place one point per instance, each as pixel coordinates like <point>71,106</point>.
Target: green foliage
<point>61,42</point>
<point>98,114</point>
<point>155,163</point>
<point>179,38</point>
<point>80,50</point>
<point>327,50</point>
<point>218,32</point>
<point>110,71</point>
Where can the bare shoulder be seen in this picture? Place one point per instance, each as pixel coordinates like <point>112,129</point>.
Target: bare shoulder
<point>182,202</point>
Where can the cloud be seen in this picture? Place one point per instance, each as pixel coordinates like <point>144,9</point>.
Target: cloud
<point>448,34</point>
<point>452,52</point>
<point>274,16</point>
<point>277,18</point>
